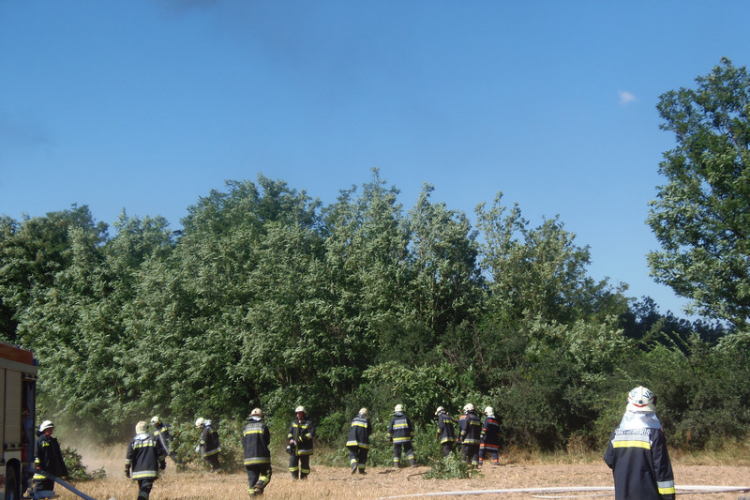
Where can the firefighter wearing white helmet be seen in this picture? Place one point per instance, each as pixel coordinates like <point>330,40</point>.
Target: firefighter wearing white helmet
<point>300,438</point>
<point>401,432</point>
<point>162,434</point>
<point>471,431</point>
<point>446,430</point>
<point>637,452</point>
<point>209,445</point>
<point>143,460</point>
<point>257,458</point>
<point>47,459</point>
<point>489,441</point>
<point>359,441</point>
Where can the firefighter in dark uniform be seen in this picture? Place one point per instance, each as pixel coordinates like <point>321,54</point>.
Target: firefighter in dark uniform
<point>209,446</point>
<point>255,441</point>
<point>489,441</point>
<point>143,460</point>
<point>401,432</point>
<point>359,441</point>
<point>300,437</point>
<point>161,433</point>
<point>47,458</point>
<point>637,452</point>
<point>446,432</point>
<point>471,431</point>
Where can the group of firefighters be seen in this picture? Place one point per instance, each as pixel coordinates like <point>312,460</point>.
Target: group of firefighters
<point>637,452</point>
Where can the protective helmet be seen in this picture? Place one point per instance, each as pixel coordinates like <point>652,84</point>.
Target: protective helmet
<point>47,424</point>
<point>641,399</point>
<point>155,420</point>
<point>489,411</point>
<point>363,411</point>
<point>141,427</point>
<point>200,422</point>
<point>468,407</point>
<point>299,409</point>
<point>439,410</point>
<point>399,408</point>
<point>257,412</point>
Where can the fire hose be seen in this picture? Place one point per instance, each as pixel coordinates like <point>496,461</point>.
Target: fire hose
<point>62,483</point>
<point>544,492</point>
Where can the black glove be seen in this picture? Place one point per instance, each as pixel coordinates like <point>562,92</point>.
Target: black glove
<point>127,472</point>
<point>163,465</point>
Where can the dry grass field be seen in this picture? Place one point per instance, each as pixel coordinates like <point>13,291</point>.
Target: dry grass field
<point>517,471</point>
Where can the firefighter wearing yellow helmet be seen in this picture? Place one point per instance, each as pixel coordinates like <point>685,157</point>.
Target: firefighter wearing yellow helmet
<point>637,452</point>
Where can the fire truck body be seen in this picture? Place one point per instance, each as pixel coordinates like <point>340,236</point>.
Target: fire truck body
<point>18,373</point>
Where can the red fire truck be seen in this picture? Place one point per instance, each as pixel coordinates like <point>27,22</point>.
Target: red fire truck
<point>18,373</point>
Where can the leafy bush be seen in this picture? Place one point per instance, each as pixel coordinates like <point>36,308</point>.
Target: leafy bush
<point>451,467</point>
<point>76,470</point>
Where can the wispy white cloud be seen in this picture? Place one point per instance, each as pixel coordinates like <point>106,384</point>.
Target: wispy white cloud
<point>626,97</point>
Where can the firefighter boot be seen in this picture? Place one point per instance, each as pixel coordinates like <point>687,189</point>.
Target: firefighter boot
<point>259,487</point>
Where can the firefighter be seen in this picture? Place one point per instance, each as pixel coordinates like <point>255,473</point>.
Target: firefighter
<point>143,460</point>
<point>47,459</point>
<point>255,440</point>
<point>300,437</point>
<point>401,432</point>
<point>446,432</point>
<point>471,430</point>
<point>162,434</point>
<point>489,441</point>
<point>637,452</point>
<point>209,446</point>
<point>359,441</point>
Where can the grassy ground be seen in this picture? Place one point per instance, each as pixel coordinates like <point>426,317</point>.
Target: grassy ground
<point>519,469</point>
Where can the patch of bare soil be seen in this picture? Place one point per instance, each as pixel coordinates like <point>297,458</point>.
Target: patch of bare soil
<point>340,484</point>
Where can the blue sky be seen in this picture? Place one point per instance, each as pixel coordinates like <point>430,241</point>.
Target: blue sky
<point>147,105</point>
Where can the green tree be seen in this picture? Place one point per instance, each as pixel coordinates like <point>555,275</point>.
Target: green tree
<point>539,272</point>
<point>701,217</point>
<point>444,280</point>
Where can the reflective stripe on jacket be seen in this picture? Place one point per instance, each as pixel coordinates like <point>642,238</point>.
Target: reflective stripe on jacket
<point>640,464</point>
<point>400,428</point>
<point>359,432</point>
<point>255,441</point>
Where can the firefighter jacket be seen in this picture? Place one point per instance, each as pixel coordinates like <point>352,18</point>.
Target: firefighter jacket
<point>400,429</point>
<point>359,433</point>
<point>255,441</point>
<point>445,428</point>
<point>161,433</point>
<point>209,441</point>
<point>48,457</point>
<point>471,428</point>
<point>490,438</point>
<point>144,457</point>
<point>637,455</point>
<point>302,432</point>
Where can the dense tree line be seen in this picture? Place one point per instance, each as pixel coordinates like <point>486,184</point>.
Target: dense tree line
<point>266,297</point>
